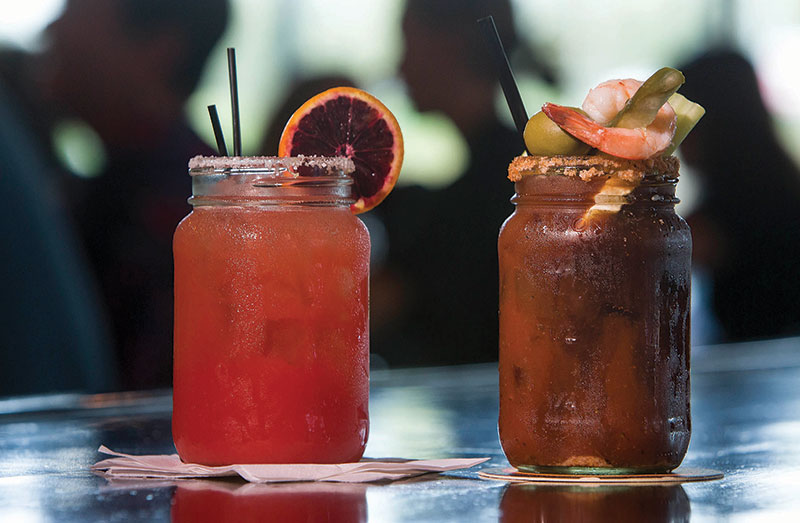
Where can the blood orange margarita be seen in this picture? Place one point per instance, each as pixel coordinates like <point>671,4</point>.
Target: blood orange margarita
<point>271,314</point>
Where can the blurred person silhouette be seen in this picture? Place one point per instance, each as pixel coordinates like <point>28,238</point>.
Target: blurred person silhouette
<point>746,229</point>
<point>295,96</point>
<point>21,81</point>
<point>436,300</point>
<point>126,68</point>
<point>53,335</point>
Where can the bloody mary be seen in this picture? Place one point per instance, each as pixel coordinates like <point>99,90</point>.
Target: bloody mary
<point>594,317</point>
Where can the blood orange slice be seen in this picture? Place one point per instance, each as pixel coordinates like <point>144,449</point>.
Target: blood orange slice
<point>345,121</point>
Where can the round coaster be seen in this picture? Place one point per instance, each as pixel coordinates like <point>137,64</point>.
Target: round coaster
<point>679,475</point>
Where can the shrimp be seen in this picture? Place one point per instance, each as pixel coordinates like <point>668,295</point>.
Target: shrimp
<point>633,144</point>
<point>607,99</point>
<point>602,104</point>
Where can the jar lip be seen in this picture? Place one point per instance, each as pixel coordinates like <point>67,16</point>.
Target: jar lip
<point>283,167</point>
<point>589,168</point>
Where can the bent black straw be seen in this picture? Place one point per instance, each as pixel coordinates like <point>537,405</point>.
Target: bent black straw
<point>212,112</point>
<point>504,74</point>
<point>237,129</point>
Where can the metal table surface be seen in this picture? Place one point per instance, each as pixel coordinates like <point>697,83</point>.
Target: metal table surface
<point>746,423</point>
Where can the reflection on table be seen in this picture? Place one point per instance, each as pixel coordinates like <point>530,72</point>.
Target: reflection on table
<point>746,423</point>
<point>198,501</point>
<point>612,504</point>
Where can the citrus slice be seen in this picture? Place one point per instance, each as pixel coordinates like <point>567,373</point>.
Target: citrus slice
<point>345,121</point>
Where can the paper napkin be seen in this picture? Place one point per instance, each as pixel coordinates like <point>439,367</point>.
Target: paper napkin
<point>171,467</point>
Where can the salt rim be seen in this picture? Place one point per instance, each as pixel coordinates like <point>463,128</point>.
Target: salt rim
<point>341,163</point>
<point>591,167</point>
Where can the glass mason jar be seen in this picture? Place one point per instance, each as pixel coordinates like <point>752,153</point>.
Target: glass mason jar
<point>271,349</point>
<point>594,317</point>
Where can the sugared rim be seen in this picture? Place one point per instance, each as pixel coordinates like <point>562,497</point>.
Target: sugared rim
<point>203,164</point>
<point>592,167</point>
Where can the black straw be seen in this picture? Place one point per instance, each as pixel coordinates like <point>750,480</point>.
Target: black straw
<point>504,74</point>
<point>237,128</point>
<point>212,112</point>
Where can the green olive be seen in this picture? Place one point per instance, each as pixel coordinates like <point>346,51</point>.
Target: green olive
<point>543,137</point>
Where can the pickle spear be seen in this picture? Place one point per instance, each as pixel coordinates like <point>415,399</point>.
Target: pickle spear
<point>641,109</point>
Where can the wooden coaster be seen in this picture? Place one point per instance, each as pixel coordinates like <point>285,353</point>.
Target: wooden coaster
<point>679,475</point>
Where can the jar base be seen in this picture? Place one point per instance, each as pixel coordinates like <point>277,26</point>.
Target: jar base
<point>591,471</point>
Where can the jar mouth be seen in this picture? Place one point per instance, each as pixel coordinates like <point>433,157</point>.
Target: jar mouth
<point>596,183</point>
<point>589,168</point>
<point>284,168</point>
<point>266,180</point>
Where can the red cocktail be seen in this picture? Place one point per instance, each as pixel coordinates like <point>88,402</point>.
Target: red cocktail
<point>271,315</point>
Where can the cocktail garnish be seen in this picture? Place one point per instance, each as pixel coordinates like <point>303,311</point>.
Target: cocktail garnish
<point>543,137</point>
<point>642,108</point>
<point>627,118</point>
<point>349,122</point>
<point>688,113</point>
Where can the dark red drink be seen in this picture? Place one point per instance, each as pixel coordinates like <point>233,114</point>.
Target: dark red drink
<point>594,318</point>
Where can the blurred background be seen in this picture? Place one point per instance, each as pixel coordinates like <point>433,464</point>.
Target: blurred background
<point>281,41</point>
<point>562,49</point>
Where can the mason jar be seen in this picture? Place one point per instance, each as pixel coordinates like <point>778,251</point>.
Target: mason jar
<point>594,317</point>
<point>271,348</point>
